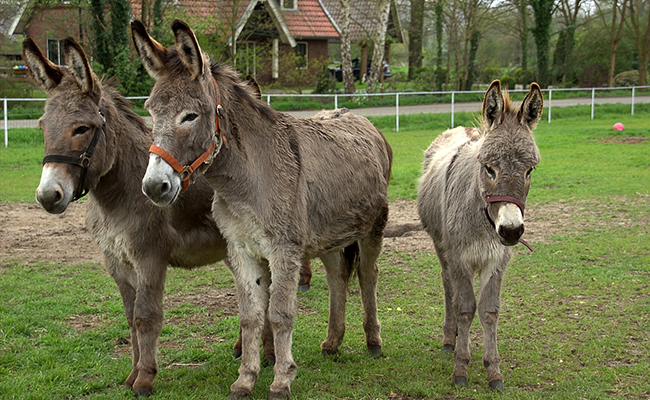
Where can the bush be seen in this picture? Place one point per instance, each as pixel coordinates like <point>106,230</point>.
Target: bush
<point>525,77</point>
<point>325,83</point>
<point>627,78</point>
<point>489,74</point>
<point>508,82</point>
<point>423,78</point>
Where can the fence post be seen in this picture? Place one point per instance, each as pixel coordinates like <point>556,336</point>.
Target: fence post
<point>396,112</point>
<point>593,96</point>
<point>6,123</point>
<point>550,101</point>
<point>633,88</point>
<point>336,101</point>
<point>268,99</point>
<point>452,109</point>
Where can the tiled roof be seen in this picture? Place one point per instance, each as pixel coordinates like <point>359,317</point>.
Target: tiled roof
<point>363,16</point>
<point>308,21</point>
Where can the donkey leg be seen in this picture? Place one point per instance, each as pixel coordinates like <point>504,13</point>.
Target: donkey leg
<point>305,276</point>
<point>284,266</point>
<point>488,312</point>
<point>464,309</point>
<point>252,280</point>
<point>147,318</point>
<point>369,249</point>
<point>338,275</point>
<point>124,278</point>
<point>449,327</point>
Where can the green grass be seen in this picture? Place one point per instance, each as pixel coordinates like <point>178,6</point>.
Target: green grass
<point>575,319</point>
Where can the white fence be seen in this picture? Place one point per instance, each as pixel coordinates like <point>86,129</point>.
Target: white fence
<point>582,96</point>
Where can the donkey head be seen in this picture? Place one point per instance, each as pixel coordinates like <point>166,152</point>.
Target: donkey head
<point>183,104</point>
<point>507,157</point>
<point>72,125</point>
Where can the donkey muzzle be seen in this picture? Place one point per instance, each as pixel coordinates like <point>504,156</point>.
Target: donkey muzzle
<point>509,224</point>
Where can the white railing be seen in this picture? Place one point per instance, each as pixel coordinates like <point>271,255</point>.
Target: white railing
<point>451,107</point>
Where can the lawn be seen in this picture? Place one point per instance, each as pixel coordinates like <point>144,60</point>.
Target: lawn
<point>575,320</point>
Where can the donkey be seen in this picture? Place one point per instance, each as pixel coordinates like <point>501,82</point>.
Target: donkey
<point>95,144</point>
<point>286,188</point>
<point>471,202</point>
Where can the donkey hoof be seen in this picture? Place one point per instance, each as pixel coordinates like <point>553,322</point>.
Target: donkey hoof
<point>302,288</point>
<point>282,394</point>
<point>375,351</point>
<point>448,348</point>
<point>239,394</point>
<point>460,380</point>
<point>497,385</point>
<point>236,353</point>
<point>270,360</point>
<point>327,352</point>
<point>143,392</point>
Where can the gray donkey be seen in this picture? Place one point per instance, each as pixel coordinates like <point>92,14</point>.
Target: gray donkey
<point>471,202</point>
<point>95,144</point>
<point>285,189</point>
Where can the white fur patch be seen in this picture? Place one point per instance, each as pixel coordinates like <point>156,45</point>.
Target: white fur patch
<point>509,216</point>
<point>52,180</point>
<point>158,172</point>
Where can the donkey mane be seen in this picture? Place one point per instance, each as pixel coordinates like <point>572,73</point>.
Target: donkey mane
<point>123,105</point>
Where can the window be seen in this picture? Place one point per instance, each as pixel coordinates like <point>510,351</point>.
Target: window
<point>289,4</point>
<point>55,51</point>
<point>301,55</point>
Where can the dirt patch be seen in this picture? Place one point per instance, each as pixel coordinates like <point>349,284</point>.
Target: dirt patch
<point>32,235</point>
<point>625,140</point>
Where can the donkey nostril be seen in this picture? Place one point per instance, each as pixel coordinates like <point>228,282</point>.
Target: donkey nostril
<point>58,196</point>
<point>164,188</point>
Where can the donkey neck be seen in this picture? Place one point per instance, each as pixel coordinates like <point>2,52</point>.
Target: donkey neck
<point>126,142</point>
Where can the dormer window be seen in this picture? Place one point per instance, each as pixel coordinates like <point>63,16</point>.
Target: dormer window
<point>289,4</point>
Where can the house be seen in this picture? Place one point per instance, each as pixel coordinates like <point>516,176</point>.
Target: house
<point>273,40</point>
<point>363,20</point>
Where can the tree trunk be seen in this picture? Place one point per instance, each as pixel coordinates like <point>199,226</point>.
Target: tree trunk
<point>439,76</point>
<point>523,38</point>
<point>346,53</point>
<point>379,40</point>
<point>415,36</point>
<point>543,10</point>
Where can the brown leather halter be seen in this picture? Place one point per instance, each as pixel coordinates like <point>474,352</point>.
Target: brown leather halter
<point>83,161</point>
<point>506,199</point>
<point>186,171</point>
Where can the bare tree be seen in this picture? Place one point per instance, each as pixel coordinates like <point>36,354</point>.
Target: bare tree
<point>346,52</point>
<point>639,20</point>
<point>616,24</point>
<point>569,11</point>
<point>379,41</point>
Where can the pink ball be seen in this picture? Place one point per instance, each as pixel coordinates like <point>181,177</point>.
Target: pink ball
<point>618,126</point>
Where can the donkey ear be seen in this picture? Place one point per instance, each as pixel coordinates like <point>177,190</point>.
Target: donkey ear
<point>45,73</point>
<point>252,82</point>
<point>493,105</point>
<point>188,48</point>
<point>532,106</point>
<point>78,65</point>
<point>152,53</point>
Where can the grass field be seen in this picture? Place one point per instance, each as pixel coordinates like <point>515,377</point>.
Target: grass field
<point>575,319</point>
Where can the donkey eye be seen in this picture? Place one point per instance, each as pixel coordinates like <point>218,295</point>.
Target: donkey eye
<point>530,171</point>
<point>189,117</point>
<point>490,172</point>
<point>80,130</point>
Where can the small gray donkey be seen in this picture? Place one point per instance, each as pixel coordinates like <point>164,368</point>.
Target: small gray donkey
<point>471,202</point>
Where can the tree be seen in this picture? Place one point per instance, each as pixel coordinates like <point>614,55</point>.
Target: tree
<point>439,17</point>
<point>415,36</point>
<point>618,11</point>
<point>543,11</point>
<point>569,10</point>
<point>639,20</point>
<point>379,41</point>
<point>346,56</point>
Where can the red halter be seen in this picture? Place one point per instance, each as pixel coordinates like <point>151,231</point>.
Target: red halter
<point>187,170</point>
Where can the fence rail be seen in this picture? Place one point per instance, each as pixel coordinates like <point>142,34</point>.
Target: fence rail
<point>403,103</point>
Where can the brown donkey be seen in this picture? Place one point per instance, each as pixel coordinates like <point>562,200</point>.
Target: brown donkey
<point>471,201</point>
<point>94,143</point>
<point>286,188</point>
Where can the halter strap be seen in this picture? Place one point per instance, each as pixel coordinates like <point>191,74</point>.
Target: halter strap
<point>507,199</point>
<point>186,171</point>
<point>82,161</point>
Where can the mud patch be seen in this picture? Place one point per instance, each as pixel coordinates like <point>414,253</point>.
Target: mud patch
<point>625,140</point>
